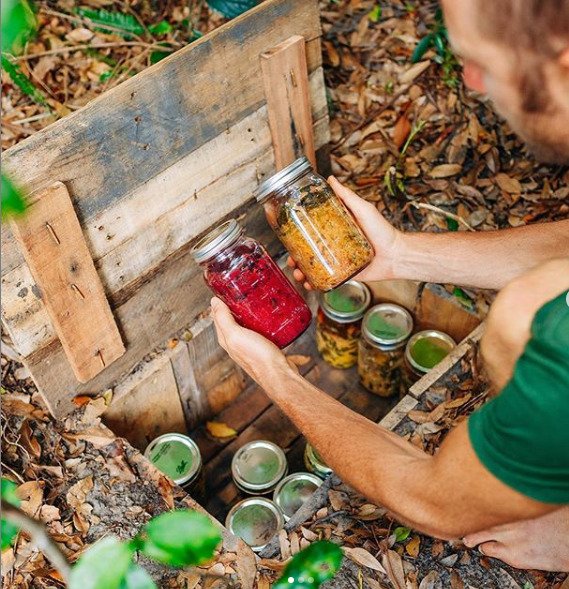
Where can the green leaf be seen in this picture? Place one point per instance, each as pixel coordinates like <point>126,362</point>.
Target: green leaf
<point>528,585</point>
<point>159,55</point>
<point>124,23</point>
<point>231,8</point>
<point>375,13</point>
<point>18,24</point>
<point>452,224</point>
<point>440,45</point>
<point>13,203</point>
<point>8,491</point>
<point>181,538</point>
<point>137,578</point>
<point>401,533</point>
<point>104,566</point>
<point>22,81</point>
<point>106,76</point>
<point>311,567</point>
<point>161,28</point>
<point>422,47</point>
<point>463,298</point>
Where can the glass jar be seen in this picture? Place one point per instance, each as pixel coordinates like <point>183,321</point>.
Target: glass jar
<point>255,520</point>
<point>385,329</point>
<point>179,458</point>
<point>338,323</point>
<point>314,463</point>
<point>242,274</point>
<point>258,467</point>
<point>293,491</point>
<point>314,225</point>
<point>425,350</point>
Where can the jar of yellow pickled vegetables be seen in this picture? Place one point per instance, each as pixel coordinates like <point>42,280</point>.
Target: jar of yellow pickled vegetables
<point>314,225</point>
<point>338,323</point>
<point>385,330</point>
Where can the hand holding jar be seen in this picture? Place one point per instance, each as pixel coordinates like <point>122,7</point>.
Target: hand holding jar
<point>314,225</point>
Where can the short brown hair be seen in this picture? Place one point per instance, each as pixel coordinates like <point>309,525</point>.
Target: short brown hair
<point>538,30</point>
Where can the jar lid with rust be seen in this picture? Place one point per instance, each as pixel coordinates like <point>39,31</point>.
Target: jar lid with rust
<point>177,456</point>
<point>255,520</point>
<point>346,303</point>
<point>258,466</point>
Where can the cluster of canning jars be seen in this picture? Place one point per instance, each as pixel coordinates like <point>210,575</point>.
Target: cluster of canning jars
<point>329,248</point>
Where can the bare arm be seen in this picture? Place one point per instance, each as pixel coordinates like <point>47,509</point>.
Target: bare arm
<point>448,495</point>
<point>485,259</point>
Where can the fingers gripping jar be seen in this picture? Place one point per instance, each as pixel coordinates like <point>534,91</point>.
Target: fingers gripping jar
<point>314,225</point>
<point>241,273</point>
<point>385,330</point>
<point>338,323</point>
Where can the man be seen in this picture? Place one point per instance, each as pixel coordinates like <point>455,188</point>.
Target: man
<point>501,479</point>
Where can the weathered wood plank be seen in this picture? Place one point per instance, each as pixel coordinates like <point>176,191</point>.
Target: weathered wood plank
<point>150,409</point>
<point>438,309</point>
<point>285,79</point>
<point>164,304</point>
<point>52,241</point>
<point>163,113</point>
<point>143,233</point>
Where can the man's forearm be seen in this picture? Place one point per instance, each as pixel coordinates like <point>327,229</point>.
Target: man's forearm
<point>485,259</point>
<point>388,470</point>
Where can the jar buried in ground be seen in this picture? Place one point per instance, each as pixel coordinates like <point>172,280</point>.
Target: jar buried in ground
<point>241,273</point>
<point>314,225</point>
<point>255,520</point>
<point>338,323</point>
<point>292,492</point>
<point>314,463</point>
<point>179,458</point>
<point>258,467</point>
<point>425,350</point>
<point>385,330</point>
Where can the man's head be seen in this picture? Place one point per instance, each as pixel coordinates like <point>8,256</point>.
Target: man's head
<point>517,52</point>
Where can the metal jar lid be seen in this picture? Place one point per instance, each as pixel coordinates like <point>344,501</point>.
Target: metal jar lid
<point>177,456</point>
<point>387,326</point>
<point>346,303</point>
<point>216,240</point>
<point>294,490</point>
<point>427,348</point>
<point>255,520</point>
<point>258,466</point>
<point>283,177</point>
<point>314,462</point>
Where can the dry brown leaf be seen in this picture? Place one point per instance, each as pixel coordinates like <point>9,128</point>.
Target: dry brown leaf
<point>413,72</point>
<point>78,492</point>
<point>412,547</point>
<point>299,359</point>
<point>393,563</point>
<point>458,402</point>
<point>220,430</point>
<point>337,500</point>
<point>508,184</point>
<point>401,131</point>
<point>79,35</point>
<point>364,558</point>
<point>445,170</point>
<point>429,580</point>
<point>31,494</point>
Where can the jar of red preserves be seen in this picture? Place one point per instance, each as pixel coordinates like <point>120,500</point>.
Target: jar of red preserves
<point>242,274</point>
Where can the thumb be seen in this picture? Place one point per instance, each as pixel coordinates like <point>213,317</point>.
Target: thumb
<point>223,320</point>
<point>362,210</point>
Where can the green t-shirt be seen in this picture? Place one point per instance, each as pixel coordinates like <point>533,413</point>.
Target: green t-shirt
<point>522,436</point>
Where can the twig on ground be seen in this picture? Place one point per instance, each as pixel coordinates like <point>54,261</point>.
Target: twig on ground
<point>97,46</point>
<point>458,218</point>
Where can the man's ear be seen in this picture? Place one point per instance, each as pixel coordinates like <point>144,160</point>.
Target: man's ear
<point>563,59</point>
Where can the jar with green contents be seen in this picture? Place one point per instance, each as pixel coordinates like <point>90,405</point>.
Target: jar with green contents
<point>314,462</point>
<point>425,350</point>
<point>179,458</point>
<point>294,490</point>
<point>338,323</point>
<point>258,467</point>
<point>385,330</point>
<point>314,225</point>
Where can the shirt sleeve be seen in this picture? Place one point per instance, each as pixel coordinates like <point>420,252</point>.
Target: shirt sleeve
<point>522,436</point>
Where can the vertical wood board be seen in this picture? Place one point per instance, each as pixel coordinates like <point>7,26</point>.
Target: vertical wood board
<point>285,77</point>
<point>52,241</point>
